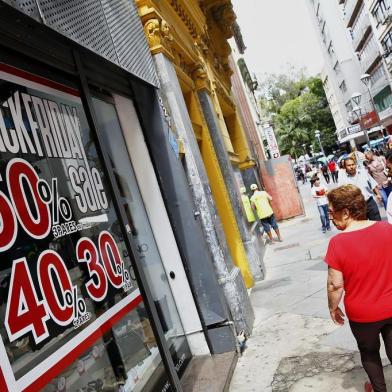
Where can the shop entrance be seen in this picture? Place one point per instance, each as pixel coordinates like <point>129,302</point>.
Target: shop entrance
<point>71,307</point>
<point>137,218</point>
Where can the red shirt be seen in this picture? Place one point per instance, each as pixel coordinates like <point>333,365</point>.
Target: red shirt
<point>364,257</point>
<point>332,166</point>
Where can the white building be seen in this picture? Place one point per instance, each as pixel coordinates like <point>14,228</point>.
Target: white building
<point>381,20</point>
<point>349,49</point>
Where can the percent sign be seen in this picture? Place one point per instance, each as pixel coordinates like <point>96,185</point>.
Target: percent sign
<point>59,205</point>
<point>78,304</point>
<point>123,272</point>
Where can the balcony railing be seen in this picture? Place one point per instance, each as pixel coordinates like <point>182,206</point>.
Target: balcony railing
<point>360,30</point>
<point>369,55</point>
<point>351,7</point>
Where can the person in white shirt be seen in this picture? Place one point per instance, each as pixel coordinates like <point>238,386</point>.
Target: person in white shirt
<point>360,177</point>
<point>319,192</point>
<point>388,164</point>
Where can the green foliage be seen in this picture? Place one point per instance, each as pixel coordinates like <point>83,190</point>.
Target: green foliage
<point>298,106</point>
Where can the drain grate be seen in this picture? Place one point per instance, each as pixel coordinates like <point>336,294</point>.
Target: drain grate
<point>289,246</point>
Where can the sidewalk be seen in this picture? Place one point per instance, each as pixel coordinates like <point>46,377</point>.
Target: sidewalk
<point>295,347</point>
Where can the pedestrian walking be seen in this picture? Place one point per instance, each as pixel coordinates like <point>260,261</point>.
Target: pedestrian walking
<point>359,177</point>
<point>324,170</point>
<point>376,166</point>
<point>260,201</point>
<point>358,156</point>
<point>247,208</point>
<point>319,192</point>
<point>305,178</point>
<point>388,163</point>
<point>360,267</point>
<point>333,168</point>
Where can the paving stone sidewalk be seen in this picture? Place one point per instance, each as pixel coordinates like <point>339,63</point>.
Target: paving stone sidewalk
<point>295,347</point>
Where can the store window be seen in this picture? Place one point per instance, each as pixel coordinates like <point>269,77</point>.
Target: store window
<point>72,317</point>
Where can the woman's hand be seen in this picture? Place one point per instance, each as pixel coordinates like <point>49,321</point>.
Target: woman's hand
<point>337,316</point>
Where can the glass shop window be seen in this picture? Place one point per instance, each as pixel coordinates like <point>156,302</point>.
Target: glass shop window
<point>72,316</point>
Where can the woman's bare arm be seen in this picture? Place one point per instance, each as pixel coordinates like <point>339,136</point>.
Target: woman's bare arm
<point>335,290</point>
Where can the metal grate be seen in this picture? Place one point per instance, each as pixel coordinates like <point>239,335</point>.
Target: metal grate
<point>29,7</point>
<point>110,28</point>
<point>82,21</point>
<point>128,38</point>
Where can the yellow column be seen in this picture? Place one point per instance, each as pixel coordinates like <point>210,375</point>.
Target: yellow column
<point>239,141</point>
<point>219,191</point>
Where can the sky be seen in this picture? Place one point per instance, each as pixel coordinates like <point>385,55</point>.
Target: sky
<point>278,33</point>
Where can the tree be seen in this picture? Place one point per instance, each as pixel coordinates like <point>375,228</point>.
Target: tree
<point>299,106</point>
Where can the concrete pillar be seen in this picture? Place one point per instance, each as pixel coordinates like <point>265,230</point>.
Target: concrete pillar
<point>228,275</point>
<point>228,174</point>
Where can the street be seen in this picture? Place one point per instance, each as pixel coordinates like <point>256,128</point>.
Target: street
<point>295,346</point>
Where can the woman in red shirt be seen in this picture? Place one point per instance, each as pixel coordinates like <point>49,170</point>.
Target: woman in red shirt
<point>360,265</point>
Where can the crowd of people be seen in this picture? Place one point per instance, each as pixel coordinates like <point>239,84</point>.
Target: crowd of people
<point>358,258</point>
<point>371,172</point>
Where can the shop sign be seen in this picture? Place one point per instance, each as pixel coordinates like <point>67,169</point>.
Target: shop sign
<point>272,143</point>
<point>354,129</point>
<point>369,120</point>
<point>65,269</point>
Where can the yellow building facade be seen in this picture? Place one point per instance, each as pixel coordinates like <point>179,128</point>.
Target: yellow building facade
<point>193,36</point>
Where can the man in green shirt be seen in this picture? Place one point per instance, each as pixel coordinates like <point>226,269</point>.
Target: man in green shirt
<point>250,216</point>
<point>260,201</point>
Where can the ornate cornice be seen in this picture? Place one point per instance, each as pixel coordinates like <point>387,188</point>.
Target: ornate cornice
<point>221,13</point>
<point>224,16</point>
<point>157,30</point>
<point>184,15</point>
<point>159,36</point>
<point>200,78</point>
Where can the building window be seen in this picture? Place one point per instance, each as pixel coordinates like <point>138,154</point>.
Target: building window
<point>320,20</point>
<point>387,42</point>
<point>381,11</point>
<point>343,87</point>
<point>330,48</point>
<point>349,106</point>
<point>358,28</point>
<point>383,100</point>
<point>336,67</point>
<point>377,74</point>
<point>369,49</point>
<point>83,227</point>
